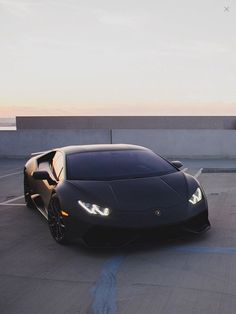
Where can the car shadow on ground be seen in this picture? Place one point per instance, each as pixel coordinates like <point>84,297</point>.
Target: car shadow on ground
<point>131,242</point>
<point>154,241</point>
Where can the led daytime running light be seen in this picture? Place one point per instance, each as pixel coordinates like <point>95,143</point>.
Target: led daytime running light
<point>94,209</point>
<point>196,197</point>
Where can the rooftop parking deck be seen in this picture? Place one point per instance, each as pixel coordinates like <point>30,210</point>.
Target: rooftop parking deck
<point>195,274</point>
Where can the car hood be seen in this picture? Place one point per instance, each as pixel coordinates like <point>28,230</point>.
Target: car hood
<point>135,194</point>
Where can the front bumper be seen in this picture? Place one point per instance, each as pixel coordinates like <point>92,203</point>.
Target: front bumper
<point>99,236</point>
<point>126,225</point>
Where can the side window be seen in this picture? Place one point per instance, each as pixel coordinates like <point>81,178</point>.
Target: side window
<point>58,165</point>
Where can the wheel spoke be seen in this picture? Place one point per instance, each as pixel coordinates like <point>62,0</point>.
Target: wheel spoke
<point>55,220</point>
<point>57,233</point>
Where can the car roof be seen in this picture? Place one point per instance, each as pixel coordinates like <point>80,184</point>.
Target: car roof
<point>98,148</point>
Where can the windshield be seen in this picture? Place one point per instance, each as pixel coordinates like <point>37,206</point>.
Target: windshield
<point>116,164</point>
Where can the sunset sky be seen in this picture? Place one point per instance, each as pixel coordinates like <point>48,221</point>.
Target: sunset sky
<point>125,57</point>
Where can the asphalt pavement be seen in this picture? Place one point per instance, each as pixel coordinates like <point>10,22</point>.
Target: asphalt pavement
<point>195,274</point>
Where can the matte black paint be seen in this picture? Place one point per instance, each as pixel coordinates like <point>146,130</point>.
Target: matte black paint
<point>133,202</point>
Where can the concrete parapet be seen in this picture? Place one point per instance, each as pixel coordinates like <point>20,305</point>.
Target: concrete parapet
<point>170,143</point>
<point>182,143</point>
<point>22,143</point>
<point>127,122</point>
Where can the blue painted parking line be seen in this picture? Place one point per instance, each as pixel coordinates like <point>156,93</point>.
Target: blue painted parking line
<point>204,249</point>
<point>104,291</point>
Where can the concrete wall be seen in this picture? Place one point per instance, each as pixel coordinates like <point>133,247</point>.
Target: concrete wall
<point>126,122</point>
<point>170,143</point>
<point>182,143</point>
<point>23,142</point>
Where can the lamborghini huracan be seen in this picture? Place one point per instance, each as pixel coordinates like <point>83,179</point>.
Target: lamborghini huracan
<point>87,189</point>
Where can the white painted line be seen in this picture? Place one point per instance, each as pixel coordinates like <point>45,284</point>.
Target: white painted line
<point>185,169</point>
<point>10,174</point>
<point>12,200</point>
<point>198,173</point>
<point>2,204</point>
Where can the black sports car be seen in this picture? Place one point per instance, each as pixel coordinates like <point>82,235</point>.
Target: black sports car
<point>83,189</point>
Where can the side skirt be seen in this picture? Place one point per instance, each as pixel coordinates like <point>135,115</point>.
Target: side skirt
<point>37,200</point>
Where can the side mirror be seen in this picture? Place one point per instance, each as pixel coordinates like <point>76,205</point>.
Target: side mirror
<point>177,164</point>
<point>43,175</point>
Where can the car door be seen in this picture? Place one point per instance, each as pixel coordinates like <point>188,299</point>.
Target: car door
<point>42,187</point>
<point>57,173</point>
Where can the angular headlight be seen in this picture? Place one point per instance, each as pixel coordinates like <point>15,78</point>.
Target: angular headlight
<point>95,209</point>
<point>196,197</point>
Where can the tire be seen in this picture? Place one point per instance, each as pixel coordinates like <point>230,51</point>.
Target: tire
<point>56,222</point>
<point>27,193</point>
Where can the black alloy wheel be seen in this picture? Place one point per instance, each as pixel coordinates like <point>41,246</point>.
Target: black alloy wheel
<point>56,222</point>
